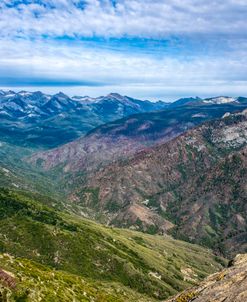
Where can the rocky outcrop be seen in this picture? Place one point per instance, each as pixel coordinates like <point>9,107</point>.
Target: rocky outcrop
<point>229,285</point>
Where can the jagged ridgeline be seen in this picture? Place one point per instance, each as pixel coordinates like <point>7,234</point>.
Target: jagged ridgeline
<point>35,119</point>
<point>47,255</point>
<point>39,120</point>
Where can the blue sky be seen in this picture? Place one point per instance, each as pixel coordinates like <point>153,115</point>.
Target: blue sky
<point>144,48</point>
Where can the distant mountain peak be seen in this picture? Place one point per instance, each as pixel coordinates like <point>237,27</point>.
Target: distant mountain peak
<point>25,93</point>
<point>61,95</point>
<point>186,101</point>
<point>84,99</point>
<point>8,93</point>
<point>115,95</point>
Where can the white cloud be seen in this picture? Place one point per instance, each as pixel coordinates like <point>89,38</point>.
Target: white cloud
<point>136,18</point>
<point>207,44</point>
<point>130,71</point>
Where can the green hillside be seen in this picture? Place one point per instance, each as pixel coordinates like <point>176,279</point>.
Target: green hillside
<point>36,282</point>
<point>154,267</point>
<point>15,172</point>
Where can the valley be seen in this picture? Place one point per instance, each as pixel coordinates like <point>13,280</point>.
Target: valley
<point>123,151</point>
<point>132,209</point>
<point>157,172</point>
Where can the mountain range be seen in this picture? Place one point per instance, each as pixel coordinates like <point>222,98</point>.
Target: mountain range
<point>40,120</point>
<point>123,137</point>
<point>165,188</point>
<point>118,199</point>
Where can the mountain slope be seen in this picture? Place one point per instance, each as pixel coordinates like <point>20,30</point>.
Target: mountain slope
<point>197,182</point>
<point>124,137</point>
<point>228,286</point>
<point>41,120</point>
<point>18,174</point>
<point>28,281</point>
<point>152,266</point>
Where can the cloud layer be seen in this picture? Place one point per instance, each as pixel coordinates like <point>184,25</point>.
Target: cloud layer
<point>119,18</point>
<point>142,47</point>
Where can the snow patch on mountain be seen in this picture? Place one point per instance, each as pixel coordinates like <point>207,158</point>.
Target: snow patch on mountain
<point>220,100</point>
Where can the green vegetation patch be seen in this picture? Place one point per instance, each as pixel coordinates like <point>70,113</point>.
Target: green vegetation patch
<point>147,265</point>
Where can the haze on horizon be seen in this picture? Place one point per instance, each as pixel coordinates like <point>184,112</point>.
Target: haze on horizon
<point>145,49</point>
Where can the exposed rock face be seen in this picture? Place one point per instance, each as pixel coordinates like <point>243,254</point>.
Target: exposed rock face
<point>7,279</point>
<point>230,285</point>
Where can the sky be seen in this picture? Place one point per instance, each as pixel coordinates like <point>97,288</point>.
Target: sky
<point>149,49</point>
